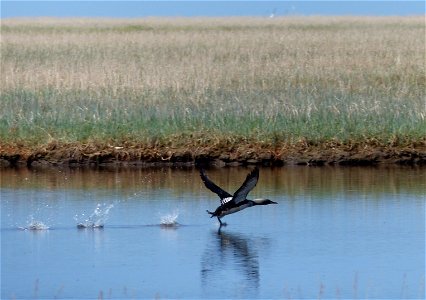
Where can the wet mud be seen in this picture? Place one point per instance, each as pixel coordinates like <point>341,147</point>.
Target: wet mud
<point>138,155</point>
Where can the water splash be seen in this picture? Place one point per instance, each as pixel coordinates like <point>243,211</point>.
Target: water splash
<point>33,224</point>
<point>97,219</point>
<point>170,220</point>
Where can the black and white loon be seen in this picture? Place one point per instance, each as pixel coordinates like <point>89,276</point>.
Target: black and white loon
<point>230,204</point>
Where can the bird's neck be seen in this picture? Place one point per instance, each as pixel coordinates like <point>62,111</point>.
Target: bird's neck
<point>258,201</point>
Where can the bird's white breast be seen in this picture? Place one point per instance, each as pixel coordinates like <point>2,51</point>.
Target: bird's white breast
<point>235,209</point>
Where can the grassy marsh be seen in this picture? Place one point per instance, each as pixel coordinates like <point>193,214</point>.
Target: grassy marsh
<point>200,81</point>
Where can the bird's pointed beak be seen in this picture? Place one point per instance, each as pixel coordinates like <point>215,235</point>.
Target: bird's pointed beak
<point>273,202</point>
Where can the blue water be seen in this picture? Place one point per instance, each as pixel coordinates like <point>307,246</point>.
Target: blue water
<point>336,233</point>
<point>140,9</point>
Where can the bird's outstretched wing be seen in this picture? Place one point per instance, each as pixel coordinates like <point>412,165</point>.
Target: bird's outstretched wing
<point>247,186</point>
<point>213,187</point>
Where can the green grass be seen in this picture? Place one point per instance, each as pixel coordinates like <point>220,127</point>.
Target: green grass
<point>81,116</point>
<point>268,82</point>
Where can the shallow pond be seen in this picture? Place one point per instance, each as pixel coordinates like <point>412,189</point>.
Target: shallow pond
<point>336,233</point>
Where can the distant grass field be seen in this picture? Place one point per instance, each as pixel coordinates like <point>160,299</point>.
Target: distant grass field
<point>183,81</point>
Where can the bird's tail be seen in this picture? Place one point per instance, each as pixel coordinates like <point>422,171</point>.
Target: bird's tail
<point>211,213</point>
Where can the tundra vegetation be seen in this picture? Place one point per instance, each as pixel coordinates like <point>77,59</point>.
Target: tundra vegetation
<point>302,89</point>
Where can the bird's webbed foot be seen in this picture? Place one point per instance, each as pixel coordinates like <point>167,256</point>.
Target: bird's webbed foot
<point>221,223</point>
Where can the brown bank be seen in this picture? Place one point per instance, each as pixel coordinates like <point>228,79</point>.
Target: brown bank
<point>369,152</point>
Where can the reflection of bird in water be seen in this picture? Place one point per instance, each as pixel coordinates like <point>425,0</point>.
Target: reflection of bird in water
<point>237,248</point>
<point>230,204</point>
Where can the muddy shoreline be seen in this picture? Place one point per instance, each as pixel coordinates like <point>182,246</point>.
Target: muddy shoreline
<point>135,155</point>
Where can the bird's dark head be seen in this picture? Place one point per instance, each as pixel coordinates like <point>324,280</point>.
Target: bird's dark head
<point>263,201</point>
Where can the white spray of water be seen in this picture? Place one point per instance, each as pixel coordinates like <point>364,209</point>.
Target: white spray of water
<point>37,225</point>
<point>97,219</point>
<point>170,220</point>
<point>33,224</point>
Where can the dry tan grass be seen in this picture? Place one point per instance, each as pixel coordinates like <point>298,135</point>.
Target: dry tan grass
<point>282,78</point>
<point>347,53</point>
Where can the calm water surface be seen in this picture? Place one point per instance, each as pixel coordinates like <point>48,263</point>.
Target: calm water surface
<point>336,233</point>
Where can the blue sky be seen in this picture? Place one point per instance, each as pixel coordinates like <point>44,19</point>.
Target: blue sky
<point>123,9</point>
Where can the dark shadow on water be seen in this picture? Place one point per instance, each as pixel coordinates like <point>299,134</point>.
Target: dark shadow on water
<point>228,253</point>
<point>287,181</point>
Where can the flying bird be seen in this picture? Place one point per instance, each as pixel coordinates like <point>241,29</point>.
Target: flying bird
<point>230,204</point>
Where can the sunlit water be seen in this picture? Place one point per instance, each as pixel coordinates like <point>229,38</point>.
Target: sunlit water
<point>336,233</point>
